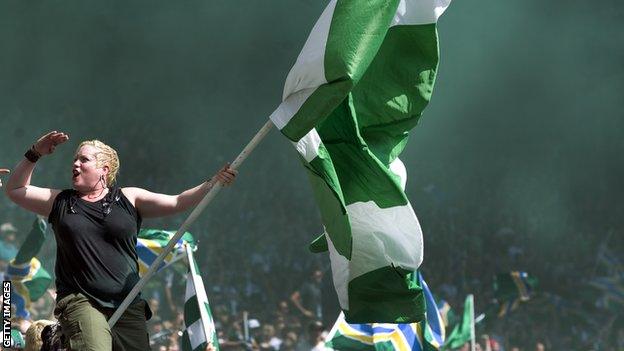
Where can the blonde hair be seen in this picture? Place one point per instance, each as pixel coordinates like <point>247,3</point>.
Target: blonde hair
<point>33,335</point>
<point>107,156</point>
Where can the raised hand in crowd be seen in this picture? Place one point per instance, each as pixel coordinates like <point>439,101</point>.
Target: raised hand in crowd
<point>3,171</point>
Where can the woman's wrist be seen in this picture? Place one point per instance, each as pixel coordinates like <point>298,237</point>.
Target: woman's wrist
<point>211,182</point>
<point>32,154</point>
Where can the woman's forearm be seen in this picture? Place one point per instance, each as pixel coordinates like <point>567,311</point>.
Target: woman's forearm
<point>191,197</point>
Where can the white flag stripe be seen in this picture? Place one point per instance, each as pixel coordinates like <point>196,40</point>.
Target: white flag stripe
<point>415,12</point>
<point>393,231</point>
<point>196,333</point>
<point>309,69</point>
<point>309,145</point>
<point>340,274</point>
<point>397,167</point>
<point>197,290</point>
<point>289,107</point>
<point>308,72</point>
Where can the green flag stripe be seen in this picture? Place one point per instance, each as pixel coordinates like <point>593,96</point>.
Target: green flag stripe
<point>191,311</point>
<point>352,44</point>
<point>162,237</point>
<point>33,242</point>
<point>347,54</point>
<point>38,286</point>
<point>398,303</point>
<point>396,89</point>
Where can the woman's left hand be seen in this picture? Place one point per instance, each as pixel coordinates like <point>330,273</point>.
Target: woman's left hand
<point>226,175</point>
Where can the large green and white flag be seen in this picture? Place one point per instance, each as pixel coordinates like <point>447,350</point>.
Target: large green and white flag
<point>359,85</point>
<point>199,325</point>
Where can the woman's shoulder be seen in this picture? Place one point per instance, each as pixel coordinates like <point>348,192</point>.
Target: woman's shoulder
<point>130,193</point>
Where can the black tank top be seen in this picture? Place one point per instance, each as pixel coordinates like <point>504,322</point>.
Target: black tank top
<point>95,246</point>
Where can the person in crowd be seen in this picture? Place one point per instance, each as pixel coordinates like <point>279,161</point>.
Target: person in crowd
<point>8,245</point>
<point>33,335</point>
<point>95,224</point>
<point>539,346</point>
<point>313,339</point>
<point>307,299</point>
<point>156,321</point>
<point>7,251</point>
<point>2,172</point>
<point>290,341</point>
<point>485,339</point>
<point>268,340</point>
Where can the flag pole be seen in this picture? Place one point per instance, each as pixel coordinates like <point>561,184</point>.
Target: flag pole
<point>187,223</point>
<point>472,324</point>
<point>246,326</point>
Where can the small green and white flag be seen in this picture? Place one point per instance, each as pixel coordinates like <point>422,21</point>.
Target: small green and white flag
<point>359,85</point>
<point>17,339</point>
<point>152,242</point>
<point>30,280</point>
<point>199,325</point>
<point>464,331</point>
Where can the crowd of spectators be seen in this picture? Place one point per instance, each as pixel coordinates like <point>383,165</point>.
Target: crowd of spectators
<point>285,293</point>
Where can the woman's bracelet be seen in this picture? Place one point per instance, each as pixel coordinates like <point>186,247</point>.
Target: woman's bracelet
<point>32,155</point>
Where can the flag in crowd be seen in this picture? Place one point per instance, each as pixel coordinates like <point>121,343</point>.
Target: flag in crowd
<point>514,284</point>
<point>464,331</point>
<point>508,306</point>
<point>611,287</point>
<point>151,243</point>
<point>610,260</point>
<point>29,280</point>
<point>199,324</point>
<point>428,334</point>
<point>17,339</point>
<point>510,289</point>
<point>446,312</point>
<point>359,85</point>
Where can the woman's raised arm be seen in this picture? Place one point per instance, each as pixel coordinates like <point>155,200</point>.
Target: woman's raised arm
<point>18,188</point>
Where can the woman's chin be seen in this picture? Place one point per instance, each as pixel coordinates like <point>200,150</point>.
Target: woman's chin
<point>77,186</point>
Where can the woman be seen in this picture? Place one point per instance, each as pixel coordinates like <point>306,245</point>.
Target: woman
<point>96,225</point>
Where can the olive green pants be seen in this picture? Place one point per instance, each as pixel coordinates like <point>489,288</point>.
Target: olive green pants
<point>84,326</point>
